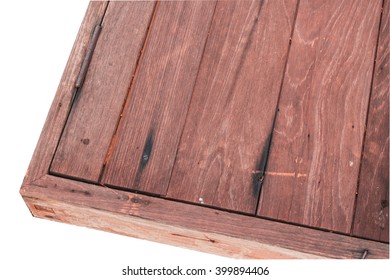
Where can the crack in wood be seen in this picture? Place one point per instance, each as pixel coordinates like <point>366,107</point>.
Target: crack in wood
<point>196,238</point>
<point>258,177</point>
<point>244,53</point>
<point>285,174</point>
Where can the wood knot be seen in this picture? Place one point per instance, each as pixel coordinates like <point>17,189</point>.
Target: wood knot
<point>138,200</point>
<point>86,193</point>
<point>122,197</point>
<point>85,141</point>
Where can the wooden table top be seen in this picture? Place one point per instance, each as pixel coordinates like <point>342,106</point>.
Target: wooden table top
<point>271,109</point>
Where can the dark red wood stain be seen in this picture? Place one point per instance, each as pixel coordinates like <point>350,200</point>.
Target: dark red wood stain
<point>315,151</point>
<point>372,209</point>
<point>160,96</point>
<point>233,104</point>
<point>94,116</point>
<point>207,123</point>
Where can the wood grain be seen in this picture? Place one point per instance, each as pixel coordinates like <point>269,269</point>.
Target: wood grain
<point>144,148</point>
<point>95,113</point>
<point>151,230</point>
<point>203,228</point>
<point>317,140</point>
<point>221,232</point>
<point>55,120</point>
<point>231,114</point>
<point>372,209</point>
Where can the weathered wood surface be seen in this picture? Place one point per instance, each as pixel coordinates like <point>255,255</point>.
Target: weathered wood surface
<point>339,71</point>
<point>95,113</point>
<point>232,110</point>
<point>222,232</point>
<point>51,133</point>
<point>145,146</point>
<point>372,209</point>
<point>315,153</point>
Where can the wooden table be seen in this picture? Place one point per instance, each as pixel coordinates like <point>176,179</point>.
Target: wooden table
<point>255,129</point>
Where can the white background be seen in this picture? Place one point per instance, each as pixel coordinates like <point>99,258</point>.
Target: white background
<point>36,39</point>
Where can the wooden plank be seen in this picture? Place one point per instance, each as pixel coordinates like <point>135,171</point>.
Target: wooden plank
<point>144,148</point>
<point>156,232</point>
<point>231,114</point>
<point>142,216</point>
<point>94,116</point>
<point>372,209</point>
<point>317,140</point>
<point>221,232</point>
<point>55,121</point>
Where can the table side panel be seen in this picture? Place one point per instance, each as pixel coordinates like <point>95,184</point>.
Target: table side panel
<point>227,227</point>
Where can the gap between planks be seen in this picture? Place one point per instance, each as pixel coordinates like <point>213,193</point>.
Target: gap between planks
<point>367,117</point>
<point>277,110</point>
<point>165,198</point>
<point>76,89</point>
<point>128,96</point>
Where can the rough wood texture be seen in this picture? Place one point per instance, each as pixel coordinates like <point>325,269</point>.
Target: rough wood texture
<point>221,232</point>
<point>43,154</point>
<point>231,114</point>
<point>145,146</point>
<point>372,209</point>
<point>317,140</point>
<point>96,111</point>
<point>337,59</point>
